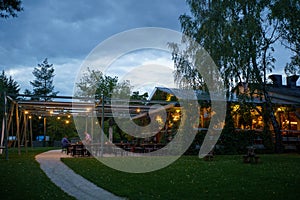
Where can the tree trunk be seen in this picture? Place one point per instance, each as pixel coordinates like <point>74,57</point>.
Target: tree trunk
<point>278,136</point>
<point>269,105</point>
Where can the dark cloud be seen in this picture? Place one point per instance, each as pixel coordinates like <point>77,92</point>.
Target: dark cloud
<point>64,31</point>
<point>72,28</point>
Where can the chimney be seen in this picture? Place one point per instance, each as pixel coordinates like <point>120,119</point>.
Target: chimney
<point>277,80</point>
<point>291,81</point>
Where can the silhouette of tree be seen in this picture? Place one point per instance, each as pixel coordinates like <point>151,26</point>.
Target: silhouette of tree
<point>43,84</point>
<point>9,8</point>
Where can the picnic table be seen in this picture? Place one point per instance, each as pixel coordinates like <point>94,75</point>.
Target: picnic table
<point>251,157</point>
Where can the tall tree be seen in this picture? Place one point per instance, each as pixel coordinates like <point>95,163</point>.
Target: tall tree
<point>8,85</point>
<point>94,83</point>
<point>236,34</point>
<point>288,14</point>
<point>43,83</point>
<point>10,8</point>
<point>239,36</point>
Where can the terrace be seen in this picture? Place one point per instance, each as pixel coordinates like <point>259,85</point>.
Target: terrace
<point>93,114</point>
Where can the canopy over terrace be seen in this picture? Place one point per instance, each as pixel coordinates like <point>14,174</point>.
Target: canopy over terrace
<point>24,105</point>
<point>54,107</point>
<point>62,105</point>
<point>19,108</point>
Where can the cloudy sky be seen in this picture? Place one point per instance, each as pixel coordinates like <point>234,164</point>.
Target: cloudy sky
<point>66,31</point>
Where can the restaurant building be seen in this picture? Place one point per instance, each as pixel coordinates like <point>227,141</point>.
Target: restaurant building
<point>247,113</point>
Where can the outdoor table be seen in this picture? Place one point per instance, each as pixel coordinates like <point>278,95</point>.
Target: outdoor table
<point>77,150</point>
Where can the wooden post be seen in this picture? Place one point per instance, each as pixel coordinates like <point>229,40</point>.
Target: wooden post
<point>5,126</point>
<point>92,127</point>
<point>10,117</point>
<point>25,132</point>
<point>30,127</point>
<point>22,129</point>
<point>86,122</point>
<point>18,128</point>
<point>45,124</point>
<point>102,127</point>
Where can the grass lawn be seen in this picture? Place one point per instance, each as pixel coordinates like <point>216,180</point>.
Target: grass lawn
<point>226,177</point>
<point>22,178</point>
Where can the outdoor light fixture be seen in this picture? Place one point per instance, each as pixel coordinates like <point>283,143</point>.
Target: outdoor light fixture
<point>169,97</point>
<point>26,112</point>
<point>58,118</point>
<point>67,121</point>
<point>176,117</point>
<point>159,119</point>
<point>30,117</point>
<point>235,108</point>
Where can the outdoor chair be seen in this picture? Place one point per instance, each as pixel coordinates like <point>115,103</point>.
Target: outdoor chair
<point>64,149</point>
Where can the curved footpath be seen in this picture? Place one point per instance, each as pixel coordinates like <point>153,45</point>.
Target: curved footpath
<point>65,178</point>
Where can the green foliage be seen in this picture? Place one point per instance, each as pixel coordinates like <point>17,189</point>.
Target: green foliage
<point>8,85</point>
<point>293,67</point>
<point>288,14</point>
<point>137,96</point>
<point>10,8</point>
<point>186,74</point>
<point>43,83</point>
<point>236,34</point>
<point>94,83</point>
<point>239,36</point>
<point>59,127</point>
